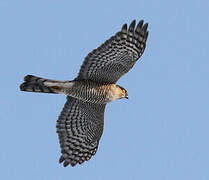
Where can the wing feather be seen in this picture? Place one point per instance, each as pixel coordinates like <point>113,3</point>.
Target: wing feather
<point>116,56</point>
<point>79,127</point>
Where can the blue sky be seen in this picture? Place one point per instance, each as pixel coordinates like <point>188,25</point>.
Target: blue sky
<point>160,133</point>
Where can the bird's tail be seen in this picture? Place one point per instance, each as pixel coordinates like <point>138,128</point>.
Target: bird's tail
<point>36,84</point>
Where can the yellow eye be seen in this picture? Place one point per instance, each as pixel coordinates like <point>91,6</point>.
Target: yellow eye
<point>124,91</point>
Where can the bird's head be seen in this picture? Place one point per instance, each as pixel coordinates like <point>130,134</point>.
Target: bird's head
<point>122,92</point>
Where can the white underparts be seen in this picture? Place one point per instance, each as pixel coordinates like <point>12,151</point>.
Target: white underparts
<point>61,84</point>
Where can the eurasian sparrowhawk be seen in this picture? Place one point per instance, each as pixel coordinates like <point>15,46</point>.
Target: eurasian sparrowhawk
<point>80,124</point>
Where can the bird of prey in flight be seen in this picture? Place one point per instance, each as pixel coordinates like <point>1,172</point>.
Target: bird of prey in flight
<point>80,124</point>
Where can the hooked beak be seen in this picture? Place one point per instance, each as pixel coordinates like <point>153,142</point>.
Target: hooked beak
<point>126,96</point>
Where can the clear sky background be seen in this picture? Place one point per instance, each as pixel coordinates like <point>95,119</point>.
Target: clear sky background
<point>160,133</point>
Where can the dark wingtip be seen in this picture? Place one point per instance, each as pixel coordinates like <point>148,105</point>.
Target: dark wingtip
<point>145,27</point>
<point>124,28</point>
<point>66,163</point>
<point>139,25</point>
<point>132,26</point>
<point>146,35</point>
<point>61,159</point>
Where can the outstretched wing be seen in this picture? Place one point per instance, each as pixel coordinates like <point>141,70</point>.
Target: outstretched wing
<point>116,56</point>
<point>80,126</point>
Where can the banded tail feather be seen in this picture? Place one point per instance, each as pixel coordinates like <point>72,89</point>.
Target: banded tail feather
<point>37,84</point>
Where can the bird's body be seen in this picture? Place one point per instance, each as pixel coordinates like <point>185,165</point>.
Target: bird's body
<point>80,124</point>
<point>93,92</point>
<point>85,90</point>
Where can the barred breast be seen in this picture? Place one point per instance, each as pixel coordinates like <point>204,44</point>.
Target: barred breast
<point>93,92</point>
